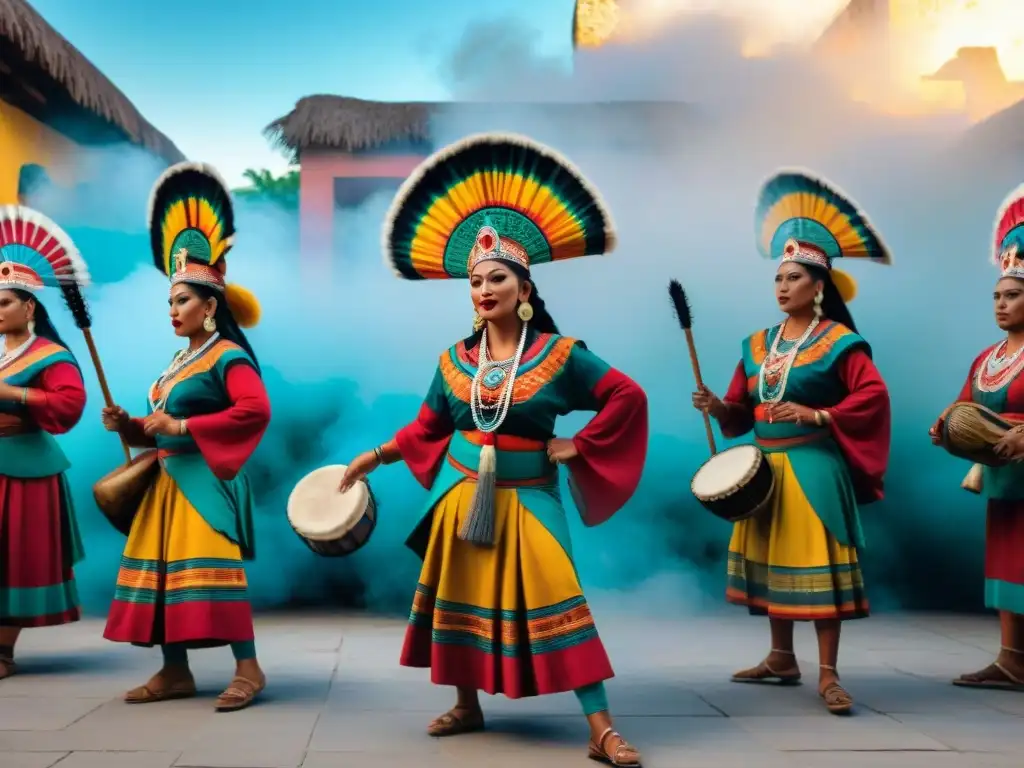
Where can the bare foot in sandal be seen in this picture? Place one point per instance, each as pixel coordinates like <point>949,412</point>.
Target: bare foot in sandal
<point>1006,673</point>
<point>611,749</point>
<point>836,698</point>
<point>7,667</point>
<point>169,683</point>
<point>456,721</point>
<point>241,692</point>
<point>780,667</point>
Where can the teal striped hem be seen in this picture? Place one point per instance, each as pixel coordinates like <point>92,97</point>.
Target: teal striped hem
<point>509,633</point>
<point>146,581</point>
<point>840,585</point>
<point>34,602</point>
<point>1004,596</point>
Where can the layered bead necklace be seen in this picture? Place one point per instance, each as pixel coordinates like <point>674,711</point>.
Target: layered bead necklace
<point>999,369</point>
<point>9,357</point>
<point>491,374</point>
<point>181,359</point>
<point>774,373</point>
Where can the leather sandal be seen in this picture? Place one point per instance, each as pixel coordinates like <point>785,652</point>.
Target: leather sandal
<point>240,693</point>
<point>764,674</point>
<point>994,677</point>
<point>147,694</point>
<point>456,721</point>
<point>625,754</point>
<point>7,667</point>
<point>836,698</point>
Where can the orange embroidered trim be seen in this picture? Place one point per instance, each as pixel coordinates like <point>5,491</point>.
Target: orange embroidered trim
<point>505,442</point>
<point>819,349</point>
<point>31,358</point>
<point>202,365</point>
<point>526,385</point>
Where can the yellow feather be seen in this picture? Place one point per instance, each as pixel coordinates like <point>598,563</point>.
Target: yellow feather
<point>845,284</point>
<point>244,305</point>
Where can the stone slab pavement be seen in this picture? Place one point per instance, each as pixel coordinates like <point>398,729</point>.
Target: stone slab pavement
<point>336,697</point>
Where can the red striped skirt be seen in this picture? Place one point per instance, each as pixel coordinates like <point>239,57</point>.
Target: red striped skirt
<point>37,582</point>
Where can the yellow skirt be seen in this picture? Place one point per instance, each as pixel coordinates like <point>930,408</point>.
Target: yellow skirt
<point>506,619</point>
<point>787,565</point>
<point>180,581</point>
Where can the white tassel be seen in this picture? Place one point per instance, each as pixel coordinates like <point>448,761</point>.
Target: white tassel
<point>479,525</point>
<point>974,482</point>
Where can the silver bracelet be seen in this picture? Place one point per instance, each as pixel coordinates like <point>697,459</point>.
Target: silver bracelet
<point>379,453</point>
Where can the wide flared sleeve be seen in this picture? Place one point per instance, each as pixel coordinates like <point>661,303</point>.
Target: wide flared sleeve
<point>424,443</point>
<point>738,418</point>
<point>612,448</point>
<point>228,438</point>
<point>57,399</point>
<point>861,424</point>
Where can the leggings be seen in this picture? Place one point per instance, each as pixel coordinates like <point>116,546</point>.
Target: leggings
<point>593,698</point>
<point>177,653</point>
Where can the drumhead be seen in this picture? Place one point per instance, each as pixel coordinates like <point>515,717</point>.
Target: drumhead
<point>724,471</point>
<point>319,511</point>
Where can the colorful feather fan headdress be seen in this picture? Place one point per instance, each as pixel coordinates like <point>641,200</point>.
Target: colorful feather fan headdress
<point>35,252</point>
<point>805,219</point>
<point>192,228</point>
<point>1008,245</point>
<point>493,197</point>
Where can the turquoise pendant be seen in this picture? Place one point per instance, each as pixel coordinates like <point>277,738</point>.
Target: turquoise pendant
<point>493,378</point>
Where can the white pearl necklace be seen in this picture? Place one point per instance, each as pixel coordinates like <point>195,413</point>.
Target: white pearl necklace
<point>181,359</point>
<point>484,366</point>
<point>9,357</point>
<point>773,362</point>
<point>998,370</point>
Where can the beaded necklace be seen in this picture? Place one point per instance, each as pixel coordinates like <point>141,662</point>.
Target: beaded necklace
<point>181,359</point>
<point>999,369</point>
<point>774,373</point>
<point>491,373</point>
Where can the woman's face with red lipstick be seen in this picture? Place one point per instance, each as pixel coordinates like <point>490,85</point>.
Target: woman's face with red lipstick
<point>188,311</point>
<point>496,290</point>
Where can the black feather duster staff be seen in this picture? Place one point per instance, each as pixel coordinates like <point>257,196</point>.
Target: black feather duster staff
<point>682,308</point>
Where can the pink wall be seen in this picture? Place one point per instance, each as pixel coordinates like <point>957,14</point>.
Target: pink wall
<point>318,170</point>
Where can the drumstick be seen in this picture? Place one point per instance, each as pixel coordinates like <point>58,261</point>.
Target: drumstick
<point>683,314</point>
<point>107,398</point>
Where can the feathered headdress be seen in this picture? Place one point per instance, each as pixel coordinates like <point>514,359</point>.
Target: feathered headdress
<point>493,196</point>
<point>192,228</point>
<point>805,219</point>
<point>1008,245</point>
<point>36,253</point>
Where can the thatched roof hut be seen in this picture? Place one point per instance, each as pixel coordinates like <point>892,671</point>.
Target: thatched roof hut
<point>343,124</point>
<point>44,75</point>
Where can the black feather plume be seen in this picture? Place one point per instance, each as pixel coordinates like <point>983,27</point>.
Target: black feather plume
<point>681,305</point>
<point>76,304</point>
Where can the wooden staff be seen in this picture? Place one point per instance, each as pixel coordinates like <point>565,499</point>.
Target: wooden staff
<point>682,307</point>
<point>103,386</point>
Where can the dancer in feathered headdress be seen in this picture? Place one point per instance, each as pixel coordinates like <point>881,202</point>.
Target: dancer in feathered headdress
<point>41,395</point>
<point>490,209</point>
<point>995,382</point>
<point>207,413</point>
<point>819,411</point>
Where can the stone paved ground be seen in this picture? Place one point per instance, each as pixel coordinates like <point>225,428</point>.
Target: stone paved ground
<point>337,698</point>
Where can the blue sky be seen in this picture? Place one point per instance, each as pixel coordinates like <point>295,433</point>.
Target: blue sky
<point>212,73</point>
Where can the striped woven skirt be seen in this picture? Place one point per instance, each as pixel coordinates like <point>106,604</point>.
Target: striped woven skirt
<point>507,619</point>
<point>787,565</point>
<point>37,581</point>
<point>180,581</point>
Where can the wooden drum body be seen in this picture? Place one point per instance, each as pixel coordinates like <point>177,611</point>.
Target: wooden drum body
<point>119,493</point>
<point>971,431</point>
<point>735,484</point>
<point>332,523</point>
